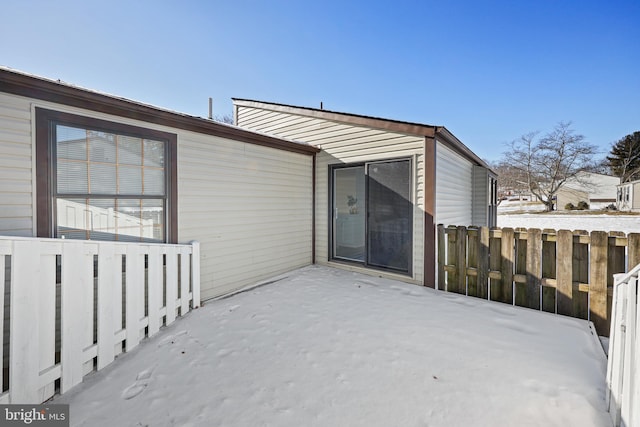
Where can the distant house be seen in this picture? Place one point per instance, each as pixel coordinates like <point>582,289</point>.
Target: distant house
<point>597,190</point>
<point>381,185</point>
<point>628,196</point>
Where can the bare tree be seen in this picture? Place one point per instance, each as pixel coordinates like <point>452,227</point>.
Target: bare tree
<point>226,118</point>
<point>546,163</point>
<point>511,180</point>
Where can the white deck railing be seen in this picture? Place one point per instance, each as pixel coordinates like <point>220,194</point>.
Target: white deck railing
<point>75,305</point>
<point>623,369</point>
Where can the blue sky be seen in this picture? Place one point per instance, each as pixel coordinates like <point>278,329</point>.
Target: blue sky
<point>489,71</point>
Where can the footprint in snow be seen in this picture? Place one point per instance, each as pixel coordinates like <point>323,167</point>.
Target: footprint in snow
<point>142,380</point>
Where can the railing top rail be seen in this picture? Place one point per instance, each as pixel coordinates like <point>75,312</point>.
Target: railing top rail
<point>623,277</point>
<point>96,242</point>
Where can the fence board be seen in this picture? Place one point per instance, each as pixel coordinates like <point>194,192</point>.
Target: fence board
<point>473,242</point>
<point>106,280</point>
<point>442,256</point>
<point>184,281</point>
<point>507,257</point>
<point>483,262</point>
<point>549,272</point>
<point>534,267</point>
<point>580,275</point>
<point>634,250</point>
<point>631,347</point>
<point>172,285</point>
<point>564,273</point>
<point>2,288</point>
<point>74,282</point>
<point>134,296</point>
<point>47,320</point>
<point>37,322</point>
<point>519,291</point>
<point>598,282</point>
<point>561,272</point>
<point>155,289</point>
<point>24,363</point>
<point>195,273</point>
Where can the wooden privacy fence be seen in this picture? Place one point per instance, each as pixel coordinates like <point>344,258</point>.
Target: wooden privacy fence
<point>73,306</point>
<point>623,368</point>
<point>564,272</point>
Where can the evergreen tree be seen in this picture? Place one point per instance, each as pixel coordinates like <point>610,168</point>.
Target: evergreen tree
<point>624,159</point>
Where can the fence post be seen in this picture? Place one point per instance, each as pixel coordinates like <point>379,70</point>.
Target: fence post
<point>452,254</point>
<point>461,244</point>
<point>483,262</point>
<point>598,282</point>
<point>534,267</point>
<point>473,241</point>
<point>442,256</point>
<point>195,273</point>
<point>564,273</point>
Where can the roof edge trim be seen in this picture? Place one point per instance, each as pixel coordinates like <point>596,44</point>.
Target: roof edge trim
<point>17,83</point>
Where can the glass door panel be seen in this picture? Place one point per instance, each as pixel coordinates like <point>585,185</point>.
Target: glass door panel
<point>349,213</point>
<point>390,213</point>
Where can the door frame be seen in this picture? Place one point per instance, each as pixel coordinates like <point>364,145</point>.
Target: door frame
<point>331,214</point>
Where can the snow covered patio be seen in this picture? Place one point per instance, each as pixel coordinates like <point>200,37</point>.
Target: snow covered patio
<point>326,347</point>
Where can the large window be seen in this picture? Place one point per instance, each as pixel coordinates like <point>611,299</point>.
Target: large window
<point>100,180</point>
<point>372,214</point>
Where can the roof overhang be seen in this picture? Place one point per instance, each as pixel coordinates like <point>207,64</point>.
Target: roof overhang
<point>17,83</point>
<point>415,129</point>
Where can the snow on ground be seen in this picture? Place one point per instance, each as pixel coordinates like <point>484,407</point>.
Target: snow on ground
<point>326,347</point>
<point>507,217</point>
<point>557,221</point>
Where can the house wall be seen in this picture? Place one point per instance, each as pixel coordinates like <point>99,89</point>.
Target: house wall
<point>249,206</point>
<point>481,196</point>
<point>16,172</point>
<point>343,143</point>
<point>635,196</point>
<point>454,189</point>
<point>570,195</point>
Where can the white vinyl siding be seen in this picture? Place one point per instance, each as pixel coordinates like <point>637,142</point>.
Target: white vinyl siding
<point>481,196</point>
<point>249,206</point>
<point>344,143</point>
<point>453,187</point>
<point>16,172</point>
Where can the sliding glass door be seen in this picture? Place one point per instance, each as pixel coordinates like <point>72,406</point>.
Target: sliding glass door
<point>372,214</point>
<point>349,213</point>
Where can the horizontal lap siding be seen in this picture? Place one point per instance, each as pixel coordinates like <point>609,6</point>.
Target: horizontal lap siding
<point>249,206</point>
<point>480,196</point>
<point>16,182</point>
<point>342,143</point>
<point>453,187</point>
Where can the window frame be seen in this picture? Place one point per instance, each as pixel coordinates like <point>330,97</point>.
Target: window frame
<point>46,163</point>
